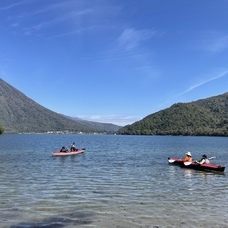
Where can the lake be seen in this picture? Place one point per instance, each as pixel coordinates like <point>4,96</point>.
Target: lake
<point>120,181</point>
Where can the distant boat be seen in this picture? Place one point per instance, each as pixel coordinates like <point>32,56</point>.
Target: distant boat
<point>78,151</point>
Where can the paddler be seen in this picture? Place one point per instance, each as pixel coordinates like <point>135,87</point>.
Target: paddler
<point>187,158</point>
<point>203,160</point>
<point>64,149</point>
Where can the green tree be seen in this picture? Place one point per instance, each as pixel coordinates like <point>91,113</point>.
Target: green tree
<point>1,129</point>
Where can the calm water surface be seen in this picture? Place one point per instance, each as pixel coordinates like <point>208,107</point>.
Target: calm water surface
<point>120,181</point>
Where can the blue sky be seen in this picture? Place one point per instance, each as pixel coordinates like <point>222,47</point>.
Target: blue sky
<point>114,61</point>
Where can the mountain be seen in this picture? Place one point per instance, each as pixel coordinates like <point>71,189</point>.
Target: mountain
<point>108,127</point>
<point>20,114</point>
<point>205,117</point>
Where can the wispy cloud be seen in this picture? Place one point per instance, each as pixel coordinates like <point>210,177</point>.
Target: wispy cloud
<point>73,32</point>
<point>115,56</point>
<point>120,120</point>
<point>173,99</point>
<point>219,44</point>
<point>54,17</point>
<point>11,6</point>
<point>213,41</point>
<point>65,17</point>
<point>220,75</point>
<point>131,38</point>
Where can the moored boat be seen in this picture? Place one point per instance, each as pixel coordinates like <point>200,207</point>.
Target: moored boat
<point>194,165</point>
<point>59,153</point>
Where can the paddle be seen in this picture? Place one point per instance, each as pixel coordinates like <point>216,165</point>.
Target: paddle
<point>187,163</point>
<point>171,160</point>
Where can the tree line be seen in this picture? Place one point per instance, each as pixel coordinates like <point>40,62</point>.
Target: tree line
<point>1,129</point>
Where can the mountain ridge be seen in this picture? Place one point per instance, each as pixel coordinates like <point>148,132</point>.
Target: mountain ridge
<point>204,117</point>
<point>20,114</point>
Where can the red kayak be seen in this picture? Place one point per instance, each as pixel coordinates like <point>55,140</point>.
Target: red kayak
<point>194,165</point>
<point>78,151</point>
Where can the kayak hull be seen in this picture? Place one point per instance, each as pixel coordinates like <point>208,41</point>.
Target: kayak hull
<point>58,153</point>
<point>193,165</point>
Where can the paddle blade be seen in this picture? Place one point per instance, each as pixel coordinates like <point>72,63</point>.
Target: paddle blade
<point>171,160</point>
<point>187,163</point>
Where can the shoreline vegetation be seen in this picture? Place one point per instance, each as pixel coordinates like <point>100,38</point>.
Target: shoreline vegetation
<point>1,129</point>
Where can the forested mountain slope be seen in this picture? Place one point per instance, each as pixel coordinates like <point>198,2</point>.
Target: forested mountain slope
<point>20,114</point>
<point>203,117</point>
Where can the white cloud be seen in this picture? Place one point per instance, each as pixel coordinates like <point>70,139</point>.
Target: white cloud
<point>213,41</point>
<point>8,7</point>
<point>131,38</point>
<point>114,119</point>
<point>217,76</point>
<point>64,17</point>
<point>219,44</point>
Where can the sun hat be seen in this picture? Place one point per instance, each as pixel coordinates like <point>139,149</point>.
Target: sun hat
<point>189,154</point>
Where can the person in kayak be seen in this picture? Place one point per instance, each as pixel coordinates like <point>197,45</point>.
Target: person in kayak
<point>72,147</point>
<point>203,160</point>
<point>64,149</point>
<point>187,158</point>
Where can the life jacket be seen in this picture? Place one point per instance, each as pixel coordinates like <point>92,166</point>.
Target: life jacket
<point>187,159</point>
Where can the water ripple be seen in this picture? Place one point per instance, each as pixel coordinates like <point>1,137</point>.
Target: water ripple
<point>119,181</point>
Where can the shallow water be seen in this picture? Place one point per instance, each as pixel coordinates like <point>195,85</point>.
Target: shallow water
<point>120,181</point>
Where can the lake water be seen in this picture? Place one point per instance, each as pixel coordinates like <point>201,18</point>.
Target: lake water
<point>120,181</point>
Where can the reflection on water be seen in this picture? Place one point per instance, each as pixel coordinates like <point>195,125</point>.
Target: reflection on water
<point>188,173</point>
<point>120,181</point>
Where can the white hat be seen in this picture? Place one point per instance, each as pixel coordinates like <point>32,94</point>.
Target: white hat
<point>189,154</point>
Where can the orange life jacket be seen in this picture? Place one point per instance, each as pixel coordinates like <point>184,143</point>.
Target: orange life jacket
<point>187,159</point>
